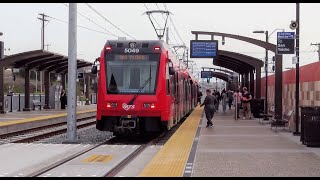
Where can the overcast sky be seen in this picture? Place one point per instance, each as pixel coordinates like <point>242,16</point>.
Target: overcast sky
<point>22,30</point>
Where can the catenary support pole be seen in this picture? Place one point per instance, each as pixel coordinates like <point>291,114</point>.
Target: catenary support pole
<point>72,68</point>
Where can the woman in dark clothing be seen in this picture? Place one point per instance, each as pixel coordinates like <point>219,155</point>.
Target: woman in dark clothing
<point>230,98</point>
<point>209,107</point>
<point>217,95</point>
<point>63,99</point>
<point>199,97</point>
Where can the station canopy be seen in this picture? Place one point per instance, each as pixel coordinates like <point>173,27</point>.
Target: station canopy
<point>41,60</point>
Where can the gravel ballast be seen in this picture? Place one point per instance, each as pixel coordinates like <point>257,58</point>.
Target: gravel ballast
<point>88,135</point>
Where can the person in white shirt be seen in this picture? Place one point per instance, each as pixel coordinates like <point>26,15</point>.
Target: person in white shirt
<point>237,97</point>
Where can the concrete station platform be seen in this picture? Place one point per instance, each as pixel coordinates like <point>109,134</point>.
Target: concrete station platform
<point>232,148</point>
<point>17,121</point>
<point>95,163</point>
<point>24,160</point>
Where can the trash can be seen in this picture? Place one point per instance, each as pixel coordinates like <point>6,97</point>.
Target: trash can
<point>257,107</point>
<point>310,126</point>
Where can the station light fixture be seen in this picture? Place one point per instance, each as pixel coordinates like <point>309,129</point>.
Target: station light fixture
<point>258,32</point>
<point>223,41</point>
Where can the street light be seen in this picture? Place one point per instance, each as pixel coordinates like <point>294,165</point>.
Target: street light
<point>266,70</point>
<point>1,33</point>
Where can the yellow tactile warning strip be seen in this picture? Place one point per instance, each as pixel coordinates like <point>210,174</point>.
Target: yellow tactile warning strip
<point>40,118</point>
<point>171,159</point>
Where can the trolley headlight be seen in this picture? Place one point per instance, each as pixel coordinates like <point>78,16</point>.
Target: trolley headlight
<point>149,105</point>
<point>112,104</point>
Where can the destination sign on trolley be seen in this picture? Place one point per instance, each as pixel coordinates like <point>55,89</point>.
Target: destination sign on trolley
<point>203,48</point>
<point>128,57</point>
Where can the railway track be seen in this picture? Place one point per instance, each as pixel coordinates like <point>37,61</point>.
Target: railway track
<point>159,139</point>
<point>116,169</point>
<point>111,173</point>
<point>36,134</point>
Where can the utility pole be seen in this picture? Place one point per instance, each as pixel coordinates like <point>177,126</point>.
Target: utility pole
<point>317,44</point>
<point>72,70</point>
<point>43,16</point>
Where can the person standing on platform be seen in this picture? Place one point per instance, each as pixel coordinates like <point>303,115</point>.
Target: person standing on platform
<point>63,99</point>
<point>209,107</point>
<point>199,96</point>
<point>214,92</point>
<point>217,95</point>
<point>237,97</point>
<point>224,100</point>
<point>246,99</point>
<point>230,98</point>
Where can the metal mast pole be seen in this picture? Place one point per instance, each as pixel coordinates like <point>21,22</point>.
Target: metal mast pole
<point>167,36</point>
<point>297,69</point>
<point>266,71</point>
<point>72,68</point>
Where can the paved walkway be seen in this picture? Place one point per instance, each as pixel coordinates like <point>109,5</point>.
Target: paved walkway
<point>247,148</point>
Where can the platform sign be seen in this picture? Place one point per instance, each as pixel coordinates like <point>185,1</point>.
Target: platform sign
<point>206,74</point>
<point>203,48</point>
<point>285,43</point>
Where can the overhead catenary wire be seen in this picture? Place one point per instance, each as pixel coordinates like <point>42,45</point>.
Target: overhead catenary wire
<point>154,19</point>
<point>172,35</point>
<point>169,29</point>
<point>151,14</point>
<point>175,28</point>
<point>165,6</point>
<point>108,32</point>
<point>78,25</point>
<point>108,20</point>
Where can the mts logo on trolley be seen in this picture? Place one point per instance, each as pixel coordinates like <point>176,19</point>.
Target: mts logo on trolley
<point>127,107</point>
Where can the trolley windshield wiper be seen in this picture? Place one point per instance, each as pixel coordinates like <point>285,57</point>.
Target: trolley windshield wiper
<point>140,89</point>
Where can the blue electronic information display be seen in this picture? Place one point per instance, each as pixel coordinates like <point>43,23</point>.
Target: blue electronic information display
<point>285,43</point>
<point>206,74</point>
<point>203,48</point>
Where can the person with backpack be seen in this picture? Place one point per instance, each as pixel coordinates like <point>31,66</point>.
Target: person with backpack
<point>209,107</point>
